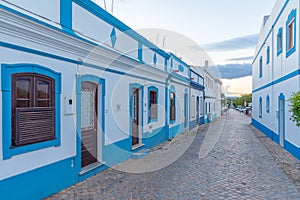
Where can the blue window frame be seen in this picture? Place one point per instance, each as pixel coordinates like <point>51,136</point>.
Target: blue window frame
<point>291,33</point>
<point>7,73</point>
<point>260,66</point>
<point>153,104</point>
<point>268,55</point>
<point>260,107</point>
<point>268,104</point>
<point>279,42</point>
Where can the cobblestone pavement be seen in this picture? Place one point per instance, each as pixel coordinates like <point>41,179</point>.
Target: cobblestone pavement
<point>238,167</point>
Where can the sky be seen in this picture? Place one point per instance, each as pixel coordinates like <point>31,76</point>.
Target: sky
<point>225,30</point>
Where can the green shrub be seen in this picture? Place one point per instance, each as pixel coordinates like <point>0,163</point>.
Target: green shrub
<point>295,108</point>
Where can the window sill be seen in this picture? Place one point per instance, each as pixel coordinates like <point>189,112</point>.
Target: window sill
<point>290,52</point>
<point>152,121</point>
<point>29,148</point>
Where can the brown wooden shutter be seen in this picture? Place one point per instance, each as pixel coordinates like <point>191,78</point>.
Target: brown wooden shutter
<point>34,125</point>
<point>173,113</point>
<point>153,111</point>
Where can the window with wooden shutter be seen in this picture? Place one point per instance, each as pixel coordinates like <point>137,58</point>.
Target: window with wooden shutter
<point>153,105</point>
<point>33,107</point>
<point>172,107</point>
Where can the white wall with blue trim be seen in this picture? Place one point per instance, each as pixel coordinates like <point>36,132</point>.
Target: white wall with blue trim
<point>103,51</point>
<point>278,78</point>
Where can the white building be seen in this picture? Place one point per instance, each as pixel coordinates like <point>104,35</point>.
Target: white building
<point>276,75</point>
<point>80,92</point>
<point>212,94</point>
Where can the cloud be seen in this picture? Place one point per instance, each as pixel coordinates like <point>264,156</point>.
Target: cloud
<point>233,71</point>
<point>244,42</point>
<point>248,58</point>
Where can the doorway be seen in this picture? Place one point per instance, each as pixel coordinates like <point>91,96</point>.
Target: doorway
<point>89,114</point>
<point>135,116</point>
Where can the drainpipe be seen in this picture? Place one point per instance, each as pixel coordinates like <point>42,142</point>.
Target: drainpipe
<point>272,76</point>
<point>167,105</point>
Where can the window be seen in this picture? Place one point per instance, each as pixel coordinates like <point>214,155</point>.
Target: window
<point>260,67</point>
<point>33,108</point>
<point>153,100</point>
<point>268,55</point>
<point>268,104</point>
<point>260,107</point>
<point>279,42</point>
<point>291,34</point>
<point>193,107</point>
<point>31,117</point>
<point>172,107</point>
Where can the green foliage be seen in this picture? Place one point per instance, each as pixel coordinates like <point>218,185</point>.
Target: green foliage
<point>240,101</point>
<point>295,108</point>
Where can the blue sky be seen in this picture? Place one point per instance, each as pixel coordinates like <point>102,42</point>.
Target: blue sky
<point>226,29</point>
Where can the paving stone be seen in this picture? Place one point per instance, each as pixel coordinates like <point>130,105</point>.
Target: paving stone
<point>242,165</point>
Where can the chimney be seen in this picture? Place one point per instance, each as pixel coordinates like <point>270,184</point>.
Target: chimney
<point>206,64</point>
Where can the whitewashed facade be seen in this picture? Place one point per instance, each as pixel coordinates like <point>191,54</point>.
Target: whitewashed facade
<point>276,75</point>
<point>81,92</point>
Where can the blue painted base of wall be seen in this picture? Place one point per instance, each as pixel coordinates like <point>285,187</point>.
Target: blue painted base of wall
<point>48,180</point>
<point>202,121</point>
<point>121,151</point>
<point>206,120</point>
<point>117,152</point>
<point>155,138</point>
<point>295,151</point>
<point>39,183</point>
<point>193,123</point>
<point>176,130</point>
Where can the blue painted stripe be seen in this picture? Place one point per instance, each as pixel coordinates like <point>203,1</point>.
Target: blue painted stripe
<point>70,32</point>
<point>66,14</point>
<point>295,151</point>
<point>181,61</point>
<point>37,52</point>
<point>197,73</point>
<point>197,86</point>
<point>269,33</point>
<point>102,14</point>
<point>176,130</point>
<point>39,183</point>
<point>41,53</point>
<point>282,79</point>
<point>156,137</point>
<point>180,77</point>
<point>64,30</point>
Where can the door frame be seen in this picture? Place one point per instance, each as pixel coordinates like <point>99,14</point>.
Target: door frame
<point>141,111</point>
<point>281,119</point>
<point>101,115</point>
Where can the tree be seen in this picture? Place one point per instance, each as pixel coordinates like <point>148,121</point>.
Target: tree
<point>295,108</point>
<point>240,101</point>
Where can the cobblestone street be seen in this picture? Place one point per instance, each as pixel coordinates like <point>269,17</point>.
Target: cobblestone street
<point>237,166</point>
